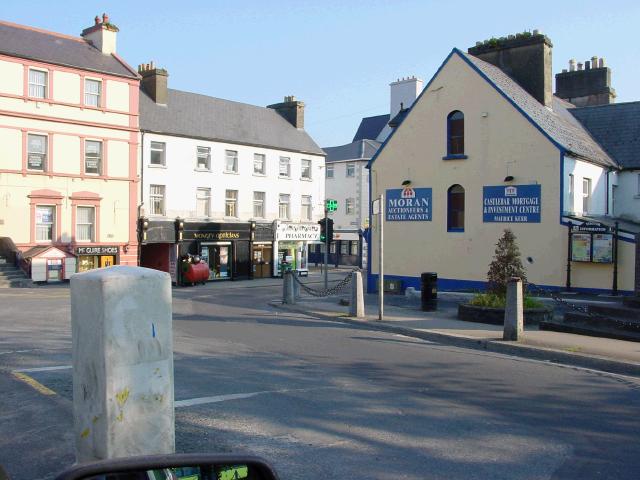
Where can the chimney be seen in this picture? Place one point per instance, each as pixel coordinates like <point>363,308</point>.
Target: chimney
<point>588,87</point>
<point>291,110</point>
<point>102,35</point>
<point>526,58</point>
<point>154,82</point>
<point>403,93</point>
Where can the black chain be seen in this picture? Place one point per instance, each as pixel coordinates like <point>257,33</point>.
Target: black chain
<point>337,288</point>
<point>533,288</point>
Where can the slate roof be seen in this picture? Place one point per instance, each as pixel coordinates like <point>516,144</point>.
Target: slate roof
<point>199,116</point>
<point>558,124</point>
<point>360,149</point>
<point>370,127</point>
<point>34,44</point>
<point>617,128</point>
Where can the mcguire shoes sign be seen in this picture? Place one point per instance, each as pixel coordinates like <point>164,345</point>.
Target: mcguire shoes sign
<point>511,204</point>
<point>408,205</point>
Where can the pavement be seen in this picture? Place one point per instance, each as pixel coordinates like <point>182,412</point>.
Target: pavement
<point>404,316</point>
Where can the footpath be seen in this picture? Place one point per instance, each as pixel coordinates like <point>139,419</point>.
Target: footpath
<point>404,316</point>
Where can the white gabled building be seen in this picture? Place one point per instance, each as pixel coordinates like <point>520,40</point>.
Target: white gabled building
<point>241,186</point>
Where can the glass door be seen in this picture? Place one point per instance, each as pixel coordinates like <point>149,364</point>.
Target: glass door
<point>218,257</point>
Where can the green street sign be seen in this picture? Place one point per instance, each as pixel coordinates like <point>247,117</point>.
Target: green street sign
<point>332,205</point>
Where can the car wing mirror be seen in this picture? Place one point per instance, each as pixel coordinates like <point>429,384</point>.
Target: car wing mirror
<point>174,467</point>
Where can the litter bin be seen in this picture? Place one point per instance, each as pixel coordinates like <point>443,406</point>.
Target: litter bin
<point>429,290</point>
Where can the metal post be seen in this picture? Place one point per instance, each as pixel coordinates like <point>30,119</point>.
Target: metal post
<point>381,258</point>
<point>615,260</point>
<point>569,260</point>
<point>326,248</point>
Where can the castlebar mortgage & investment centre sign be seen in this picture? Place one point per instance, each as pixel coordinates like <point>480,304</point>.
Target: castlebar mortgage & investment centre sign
<point>408,204</point>
<point>511,204</point>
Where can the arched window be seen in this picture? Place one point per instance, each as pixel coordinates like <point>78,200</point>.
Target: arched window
<point>455,209</point>
<point>455,133</point>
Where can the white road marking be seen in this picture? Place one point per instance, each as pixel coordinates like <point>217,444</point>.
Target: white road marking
<point>44,369</point>
<point>239,396</point>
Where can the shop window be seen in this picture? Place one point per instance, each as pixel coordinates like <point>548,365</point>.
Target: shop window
<point>93,157</point>
<point>258,204</point>
<point>85,224</point>
<point>586,195</point>
<point>306,208</point>
<point>45,222</point>
<point>344,248</point>
<point>455,133</point>
<point>38,83</point>
<point>285,167</point>
<point>332,247</point>
<point>231,203</point>
<point>92,92</point>
<point>156,199</point>
<point>354,248</point>
<point>158,154</point>
<point>203,202</point>
<point>330,171</point>
<point>37,152</point>
<point>283,206</point>
<point>231,161</point>
<point>203,160</point>
<point>259,164</point>
<point>455,209</point>
<point>305,173</point>
<point>351,169</point>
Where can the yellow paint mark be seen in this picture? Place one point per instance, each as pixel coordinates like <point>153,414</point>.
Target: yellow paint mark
<point>120,417</point>
<point>95,419</point>
<point>121,397</point>
<point>85,433</point>
<point>33,383</point>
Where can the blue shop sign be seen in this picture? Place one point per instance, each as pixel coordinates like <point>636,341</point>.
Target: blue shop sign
<point>408,205</point>
<point>511,204</point>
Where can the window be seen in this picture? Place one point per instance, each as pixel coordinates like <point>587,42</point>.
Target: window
<point>332,247</point>
<point>259,164</point>
<point>37,152</point>
<point>231,203</point>
<point>158,153</point>
<point>92,92</point>
<point>285,167</point>
<point>306,169</point>
<point>350,206</point>
<point>351,169</point>
<point>258,204</point>
<point>329,171</point>
<point>283,206</point>
<point>203,202</point>
<point>203,160</point>
<point>45,223</point>
<point>37,83</point>
<point>93,157</point>
<point>571,192</point>
<point>455,209</point>
<point>305,213</point>
<point>455,133</point>
<point>85,220</point>
<point>354,248</point>
<point>231,161</point>
<point>344,248</point>
<point>156,199</point>
<point>586,195</point>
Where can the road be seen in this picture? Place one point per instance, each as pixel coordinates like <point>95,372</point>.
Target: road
<point>322,399</point>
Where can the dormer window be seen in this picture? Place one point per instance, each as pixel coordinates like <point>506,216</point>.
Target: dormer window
<point>455,135</point>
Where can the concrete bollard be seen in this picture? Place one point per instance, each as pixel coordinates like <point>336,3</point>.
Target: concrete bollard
<point>513,312</point>
<point>288,295</point>
<point>121,328</point>
<point>296,287</point>
<point>356,306</point>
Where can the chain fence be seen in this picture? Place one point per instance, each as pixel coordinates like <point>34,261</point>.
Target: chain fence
<point>337,288</point>
<point>535,289</point>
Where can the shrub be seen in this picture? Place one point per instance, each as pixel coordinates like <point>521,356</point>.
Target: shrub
<point>506,264</point>
<point>498,301</point>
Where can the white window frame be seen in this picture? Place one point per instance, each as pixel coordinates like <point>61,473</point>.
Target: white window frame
<point>351,169</point>
<point>99,157</point>
<point>154,147</point>
<point>231,203</point>
<point>282,162</point>
<point>263,159</point>
<point>586,196</point>
<point>307,168</point>
<point>93,96</point>
<point>51,227</point>
<point>161,196</point>
<point>92,224</point>
<point>330,172</point>
<point>203,153</point>
<point>350,206</point>
<point>44,155</point>
<point>308,206</point>
<point>259,201</point>
<point>233,155</point>
<point>284,204</point>
<point>203,194</point>
<point>44,86</point>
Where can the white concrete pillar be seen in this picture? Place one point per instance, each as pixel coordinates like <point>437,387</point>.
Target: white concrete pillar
<point>513,312</point>
<point>122,363</point>
<point>356,306</point>
<point>288,295</point>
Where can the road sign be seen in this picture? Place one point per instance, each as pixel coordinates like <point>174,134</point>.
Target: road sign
<point>332,205</point>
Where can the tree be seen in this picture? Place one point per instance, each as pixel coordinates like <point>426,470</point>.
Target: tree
<point>506,264</point>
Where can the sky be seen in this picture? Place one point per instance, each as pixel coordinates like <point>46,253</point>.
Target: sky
<point>337,56</point>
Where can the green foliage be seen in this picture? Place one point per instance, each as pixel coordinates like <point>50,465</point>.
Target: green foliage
<point>506,264</point>
<point>499,301</point>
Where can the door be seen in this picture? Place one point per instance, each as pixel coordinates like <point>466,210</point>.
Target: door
<point>54,270</point>
<point>219,259</point>
<point>107,261</point>
<point>262,261</point>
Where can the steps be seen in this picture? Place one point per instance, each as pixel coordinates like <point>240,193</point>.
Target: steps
<point>12,277</point>
<point>619,321</point>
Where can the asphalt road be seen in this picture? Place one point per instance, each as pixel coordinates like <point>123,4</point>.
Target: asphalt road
<point>322,399</point>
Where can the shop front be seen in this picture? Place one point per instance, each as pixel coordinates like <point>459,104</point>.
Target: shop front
<point>262,250</point>
<point>158,245</point>
<point>291,245</point>
<point>90,257</point>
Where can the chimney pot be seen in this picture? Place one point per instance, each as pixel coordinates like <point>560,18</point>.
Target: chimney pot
<point>572,65</point>
<point>105,18</point>
<point>594,62</point>
<point>579,65</point>
<point>587,65</point>
<point>601,62</point>
<point>97,20</point>
<point>564,70</point>
<point>537,31</point>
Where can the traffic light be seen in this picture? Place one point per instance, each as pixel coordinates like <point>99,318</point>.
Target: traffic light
<point>143,226</point>
<point>326,230</point>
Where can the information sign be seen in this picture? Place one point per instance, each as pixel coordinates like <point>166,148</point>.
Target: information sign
<point>511,204</point>
<point>408,204</point>
<point>602,248</point>
<point>581,247</point>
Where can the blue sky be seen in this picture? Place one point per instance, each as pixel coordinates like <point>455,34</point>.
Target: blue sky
<point>336,56</point>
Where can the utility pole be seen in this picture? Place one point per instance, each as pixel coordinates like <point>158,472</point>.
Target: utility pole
<point>326,247</point>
